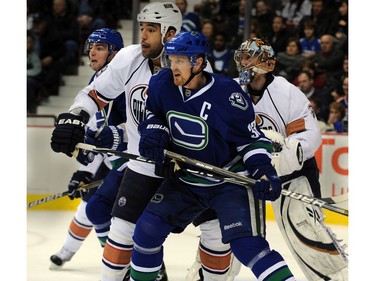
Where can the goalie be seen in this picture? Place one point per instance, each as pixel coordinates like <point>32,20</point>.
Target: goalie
<point>286,117</point>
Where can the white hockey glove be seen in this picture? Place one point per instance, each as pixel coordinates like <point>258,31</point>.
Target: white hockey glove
<point>289,158</point>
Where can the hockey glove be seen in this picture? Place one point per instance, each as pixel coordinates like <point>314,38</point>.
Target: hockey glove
<point>110,137</point>
<point>270,188</point>
<point>69,130</point>
<point>78,178</point>
<point>168,169</point>
<point>85,157</point>
<point>154,139</point>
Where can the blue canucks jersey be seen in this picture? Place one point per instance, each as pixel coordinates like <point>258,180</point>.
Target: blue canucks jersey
<point>214,124</point>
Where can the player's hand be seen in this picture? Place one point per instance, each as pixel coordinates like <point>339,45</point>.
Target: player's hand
<point>154,139</point>
<point>85,157</point>
<point>168,169</point>
<point>69,130</point>
<point>109,137</point>
<point>269,188</point>
<point>78,178</point>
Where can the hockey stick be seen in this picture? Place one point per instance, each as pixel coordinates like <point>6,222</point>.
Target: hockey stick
<point>223,175</point>
<point>62,194</point>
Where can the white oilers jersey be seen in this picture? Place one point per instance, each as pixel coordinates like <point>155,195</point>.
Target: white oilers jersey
<point>283,104</point>
<point>128,72</point>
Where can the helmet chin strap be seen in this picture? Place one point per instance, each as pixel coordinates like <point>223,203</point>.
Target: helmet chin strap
<point>192,75</point>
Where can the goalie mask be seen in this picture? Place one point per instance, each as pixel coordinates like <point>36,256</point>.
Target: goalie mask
<point>253,57</point>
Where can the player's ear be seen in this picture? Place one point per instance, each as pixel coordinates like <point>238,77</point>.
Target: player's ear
<point>170,33</point>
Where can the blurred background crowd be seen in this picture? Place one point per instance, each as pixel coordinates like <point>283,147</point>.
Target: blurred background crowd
<point>309,37</point>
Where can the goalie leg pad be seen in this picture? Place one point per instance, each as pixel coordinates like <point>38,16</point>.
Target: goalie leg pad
<point>312,243</point>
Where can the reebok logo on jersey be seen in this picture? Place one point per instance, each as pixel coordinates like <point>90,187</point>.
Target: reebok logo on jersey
<point>232,225</point>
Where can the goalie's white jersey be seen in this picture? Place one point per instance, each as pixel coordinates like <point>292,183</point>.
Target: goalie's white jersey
<point>286,110</point>
<point>128,72</point>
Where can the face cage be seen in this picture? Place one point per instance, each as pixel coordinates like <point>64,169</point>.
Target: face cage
<point>248,73</point>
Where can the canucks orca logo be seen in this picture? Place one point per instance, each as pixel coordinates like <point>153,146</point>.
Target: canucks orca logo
<point>138,102</point>
<point>187,130</point>
<point>239,101</point>
<point>266,122</point>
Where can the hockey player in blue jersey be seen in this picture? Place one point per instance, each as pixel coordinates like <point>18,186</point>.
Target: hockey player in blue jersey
<point>206,117</point>
<point>104,130</point>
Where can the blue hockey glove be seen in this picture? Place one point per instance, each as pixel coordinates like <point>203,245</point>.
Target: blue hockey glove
<point>154,139</point>
<point>85,157</point>
<point>109,137</point>
<point>270,188</point>
<point>69,130</point>
<point>79,177</point>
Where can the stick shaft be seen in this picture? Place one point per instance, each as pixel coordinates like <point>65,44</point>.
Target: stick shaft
<point>225,175</point>
<point>62,194</point>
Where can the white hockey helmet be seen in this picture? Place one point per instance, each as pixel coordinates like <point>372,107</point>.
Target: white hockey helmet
<point>167,14</point>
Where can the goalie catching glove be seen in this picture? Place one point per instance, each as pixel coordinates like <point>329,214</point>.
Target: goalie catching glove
<point>289,157</point>
<point>154,139</point>
<point>79,178</point>
<point>69,130</point>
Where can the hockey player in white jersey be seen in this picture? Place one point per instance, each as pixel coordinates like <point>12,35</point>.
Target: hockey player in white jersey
<point>129,72</point>
<point>286,117</point>
<point>101,46</point>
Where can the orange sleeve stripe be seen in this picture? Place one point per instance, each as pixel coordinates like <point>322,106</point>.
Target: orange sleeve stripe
<point>295,127</point>
<point>100,103</point>
<point>116,256</point>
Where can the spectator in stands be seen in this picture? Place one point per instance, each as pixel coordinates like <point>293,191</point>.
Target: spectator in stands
<point>34,69</point>
<point>208,9</point>
<point>328,63</point>
<point>325,21</point>
<point>264,16</point>
<point>96,14</point>
<point>190,21</point>
<point>291,61</point>
<point>221,57</point>
<point>310,44</point>
<point>50,48</point>
<point>316,106</point>
<point>342,31</point>
<point>336,120</point>
<point>345,101</point>
<point>306,85</point>
<point>208,30</point>
<point>65,21</point>
<point>280,35</point>
<point>293,11</point>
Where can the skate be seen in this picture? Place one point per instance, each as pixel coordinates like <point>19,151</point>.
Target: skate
<point>61,257</point>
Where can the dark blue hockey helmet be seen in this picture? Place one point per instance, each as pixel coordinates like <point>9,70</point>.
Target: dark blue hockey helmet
<point>107,36</point>
<point>190,44</point>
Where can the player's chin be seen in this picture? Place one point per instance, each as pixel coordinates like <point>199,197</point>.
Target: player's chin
<point>177,81</point>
